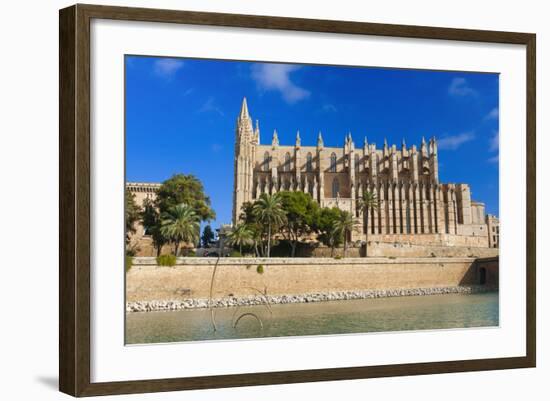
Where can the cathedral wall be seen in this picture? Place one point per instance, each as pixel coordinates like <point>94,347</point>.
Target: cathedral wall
<point>343,185</point>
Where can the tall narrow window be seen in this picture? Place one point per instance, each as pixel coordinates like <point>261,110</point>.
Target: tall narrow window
<point>266,161</point>
<point>286,167</point>
<point>309,163</point>
<point>333,162</point>
<point>335,188</point>
<point>357,164</point>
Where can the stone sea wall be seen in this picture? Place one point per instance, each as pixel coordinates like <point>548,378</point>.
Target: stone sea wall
<point>244,277</point>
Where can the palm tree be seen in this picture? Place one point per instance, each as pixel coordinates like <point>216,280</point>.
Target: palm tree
<point>180,224</point>
<point>368,201</point>
<point>268,210</point>
<point>345,224</point>
<point>239,236</point>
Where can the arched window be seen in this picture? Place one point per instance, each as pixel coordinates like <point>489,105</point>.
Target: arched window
<point>333,162</point>
<point>335,188</point>
<point>286,166</point>
<point>309,163</point>
<point>266,161</point>
<point>357,164</point>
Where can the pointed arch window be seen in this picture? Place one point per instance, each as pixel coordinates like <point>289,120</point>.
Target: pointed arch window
<point>286,166</point>
<point>357,163</point>
<point>333,162</point>
<point>266,161</point>
<point>335,188</point>
<point>309,163</point>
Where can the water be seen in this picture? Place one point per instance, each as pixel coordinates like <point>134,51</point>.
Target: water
<point>335,317</point>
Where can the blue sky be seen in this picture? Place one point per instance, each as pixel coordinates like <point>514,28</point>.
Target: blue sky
<point>181,114</point>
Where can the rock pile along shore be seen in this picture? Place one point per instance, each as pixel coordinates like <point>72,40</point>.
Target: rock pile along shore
<point>197,303</point>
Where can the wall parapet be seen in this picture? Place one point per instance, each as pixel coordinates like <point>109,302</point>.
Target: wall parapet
<point>206,261</point>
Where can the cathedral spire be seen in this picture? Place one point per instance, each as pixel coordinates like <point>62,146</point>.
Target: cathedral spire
<point>298,140</point>
<point>244,110</point>
<point>403,145</point>
<point>275,139</point>
<point>366,143</point>
<point>320,140</point>
<point>257,132</point>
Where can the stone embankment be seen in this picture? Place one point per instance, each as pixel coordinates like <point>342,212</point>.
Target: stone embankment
<point>173,305</point>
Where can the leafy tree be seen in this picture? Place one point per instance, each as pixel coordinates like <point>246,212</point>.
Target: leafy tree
<point>239,236</point>
<point>256,228</point>
<point>180,224</point>
<point>268,210</point>
<point>132,214</point>
<point>207,236</point>
<point>150,218</point>
<point>328,217</point>
<point>343,227</point>
<point>301,216</point>
<point>185,189</point>
<point>366,203</point>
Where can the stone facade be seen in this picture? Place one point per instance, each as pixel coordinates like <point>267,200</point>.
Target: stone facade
<point>191,277</point>
<point>493,228</point>
<point>412,201</point>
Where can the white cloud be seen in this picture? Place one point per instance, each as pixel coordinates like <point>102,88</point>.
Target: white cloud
<point>452,142</point>
<point>494,147</point>
<point>459,87</point>
<point>492,115</point>
<point>329,108</point>
<point>210,106</point>
<point>494,142</point>
<point>167,67</point>
<point>276,77</point>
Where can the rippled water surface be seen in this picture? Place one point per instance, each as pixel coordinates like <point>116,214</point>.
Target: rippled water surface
<point>336,317</point>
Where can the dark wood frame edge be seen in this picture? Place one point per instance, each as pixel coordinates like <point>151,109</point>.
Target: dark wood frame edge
<point>74,199</point>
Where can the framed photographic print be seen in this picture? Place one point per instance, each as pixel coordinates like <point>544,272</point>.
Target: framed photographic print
<point>250,200</point>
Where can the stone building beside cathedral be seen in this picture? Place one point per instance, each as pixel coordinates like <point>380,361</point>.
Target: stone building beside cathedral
<point>414,207</point>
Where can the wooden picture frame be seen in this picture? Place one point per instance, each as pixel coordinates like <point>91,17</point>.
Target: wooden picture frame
<point>74,203</point>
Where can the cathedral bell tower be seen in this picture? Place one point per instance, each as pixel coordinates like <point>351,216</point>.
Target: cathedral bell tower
<point>246,139</point>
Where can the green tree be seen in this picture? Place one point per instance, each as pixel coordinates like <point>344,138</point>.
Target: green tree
<point>187,189</point>
<point>326,222</point>
<point>247,216</point>
<point>366,203</point>
<point>268,210</point>
<point>132,214</point>
<point>150,218</point>
<point>343,226</point>
<point>239,236</point>
<point>207,236</point>
<point>180,224</point>
<point>301,215</point>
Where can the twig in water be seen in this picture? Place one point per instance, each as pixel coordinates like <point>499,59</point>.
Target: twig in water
<point>212,312</point>
<point>249,314</point>
<point>266,303</point>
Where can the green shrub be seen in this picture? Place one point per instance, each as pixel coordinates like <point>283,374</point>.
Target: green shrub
<point>235,254</point>
<point>191,253</point>
<point>166,260</point>
<point>260,269</point>
<point>338,257</point>
<point>128,262</point>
